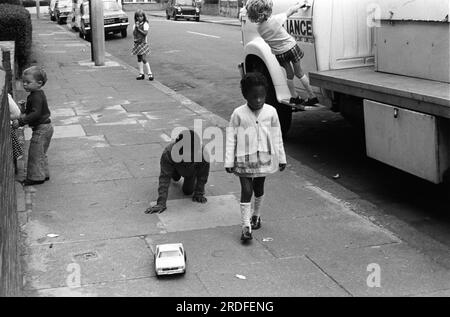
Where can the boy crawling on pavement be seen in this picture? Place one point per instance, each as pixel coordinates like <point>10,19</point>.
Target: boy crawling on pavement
<point>182,158</point>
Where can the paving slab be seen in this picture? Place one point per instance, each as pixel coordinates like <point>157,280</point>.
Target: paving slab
<point>99,261</point>
<point>322,233</point>
<point>289,277</point>
<point>72,120</point>
<point>87,173</point>
<point>223,248</point>
<point>152,105</point>
<point>403,271</point>
<point>60,132</point>
<point>135,137</point>
<point>173,286</point>
<point>187,215</point>
<point>141,160</point>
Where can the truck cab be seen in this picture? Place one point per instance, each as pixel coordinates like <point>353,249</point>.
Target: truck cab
<point>382,64</point>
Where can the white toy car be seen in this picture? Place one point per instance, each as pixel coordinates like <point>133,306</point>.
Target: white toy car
<point>170,259</point>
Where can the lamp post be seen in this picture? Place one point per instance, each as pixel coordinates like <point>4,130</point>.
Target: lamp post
<point>38,8</point>
<point>97,32</point>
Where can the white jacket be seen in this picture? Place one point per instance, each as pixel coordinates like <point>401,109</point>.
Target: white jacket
<point>248,134</point>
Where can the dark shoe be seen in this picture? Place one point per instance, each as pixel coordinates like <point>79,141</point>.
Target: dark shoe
<point>47,178</point>
<point>246,234</point>
<point>296,100</point>
<point>150,77</point>
<point>29,182</point>
<point>140,77</point>
<point>256,222</point>
<point>311,102</point>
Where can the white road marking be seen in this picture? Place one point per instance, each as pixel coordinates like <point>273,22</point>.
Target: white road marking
<point>202,34</point>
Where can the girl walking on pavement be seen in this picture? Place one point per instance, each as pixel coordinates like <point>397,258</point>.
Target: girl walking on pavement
<point>283,45</point>
<point>141,48</point>
<point>254,148</point>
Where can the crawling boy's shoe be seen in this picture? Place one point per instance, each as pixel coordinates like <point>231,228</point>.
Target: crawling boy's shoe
<point>311,102</point>
<point>246,234</point>
<point>140,77</point>
<point>256,222</point>
<point>29,182</point>
<point>296,100</point>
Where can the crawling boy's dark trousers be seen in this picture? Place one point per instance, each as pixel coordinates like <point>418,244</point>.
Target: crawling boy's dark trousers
<point>195,176</point>
<point>37,168</point>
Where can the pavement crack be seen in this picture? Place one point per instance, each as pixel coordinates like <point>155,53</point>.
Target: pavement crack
<point>329,276</point>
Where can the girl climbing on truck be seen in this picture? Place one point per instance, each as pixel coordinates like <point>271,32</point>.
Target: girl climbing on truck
<point>283,45</point>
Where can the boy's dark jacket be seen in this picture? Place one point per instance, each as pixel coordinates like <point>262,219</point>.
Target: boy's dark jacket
<point>185,169</point>
<point>36,110</point>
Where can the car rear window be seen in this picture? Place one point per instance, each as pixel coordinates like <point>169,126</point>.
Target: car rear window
<point>110,6</point>
<point>185,2</point>
<point>166,254</point>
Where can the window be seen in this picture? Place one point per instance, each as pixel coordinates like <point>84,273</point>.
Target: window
<point>185,2</point>
<point>166,254</point>
<point>110,6</point>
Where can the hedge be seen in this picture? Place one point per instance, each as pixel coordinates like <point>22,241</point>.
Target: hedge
<point>16,2</point>
<point>15,25</point>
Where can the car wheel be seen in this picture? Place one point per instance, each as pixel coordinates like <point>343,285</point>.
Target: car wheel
<point>87,37</point>
<point>81,34</point>
<point>58,20</point>
<point>124,33</point>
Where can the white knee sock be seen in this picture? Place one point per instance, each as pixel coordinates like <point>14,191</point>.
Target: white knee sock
<point>147,68</point>
<point>246,214</point>
<point>257,207</point>
<point>141,67</point>
<point>290,83</point>
<point>305,83</point>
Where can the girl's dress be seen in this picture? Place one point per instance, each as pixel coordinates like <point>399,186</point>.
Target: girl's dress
<point>141,46</point>
<point>14,113</point>
<point>254,144</point>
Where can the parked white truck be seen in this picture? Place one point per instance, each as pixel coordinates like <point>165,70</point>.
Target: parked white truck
<point>381,63</point>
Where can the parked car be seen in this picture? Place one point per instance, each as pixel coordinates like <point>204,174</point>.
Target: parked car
<point>51,10</point>
<point>62,10</point>
<point>170,259</point>
<point>115,20</point>
<point>186,9</point>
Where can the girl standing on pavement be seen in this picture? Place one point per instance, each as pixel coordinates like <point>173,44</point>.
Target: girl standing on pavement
<point>283,45</point>
<point>254,148</point>
<point>141,48</point>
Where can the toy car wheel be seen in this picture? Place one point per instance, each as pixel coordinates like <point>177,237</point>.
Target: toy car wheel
<point>81,34</point>
<point>124,33</point>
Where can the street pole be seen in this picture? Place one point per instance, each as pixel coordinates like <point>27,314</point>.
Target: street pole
<point>97,32</point>
<point>38,7</point>
<point>90,21</point>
